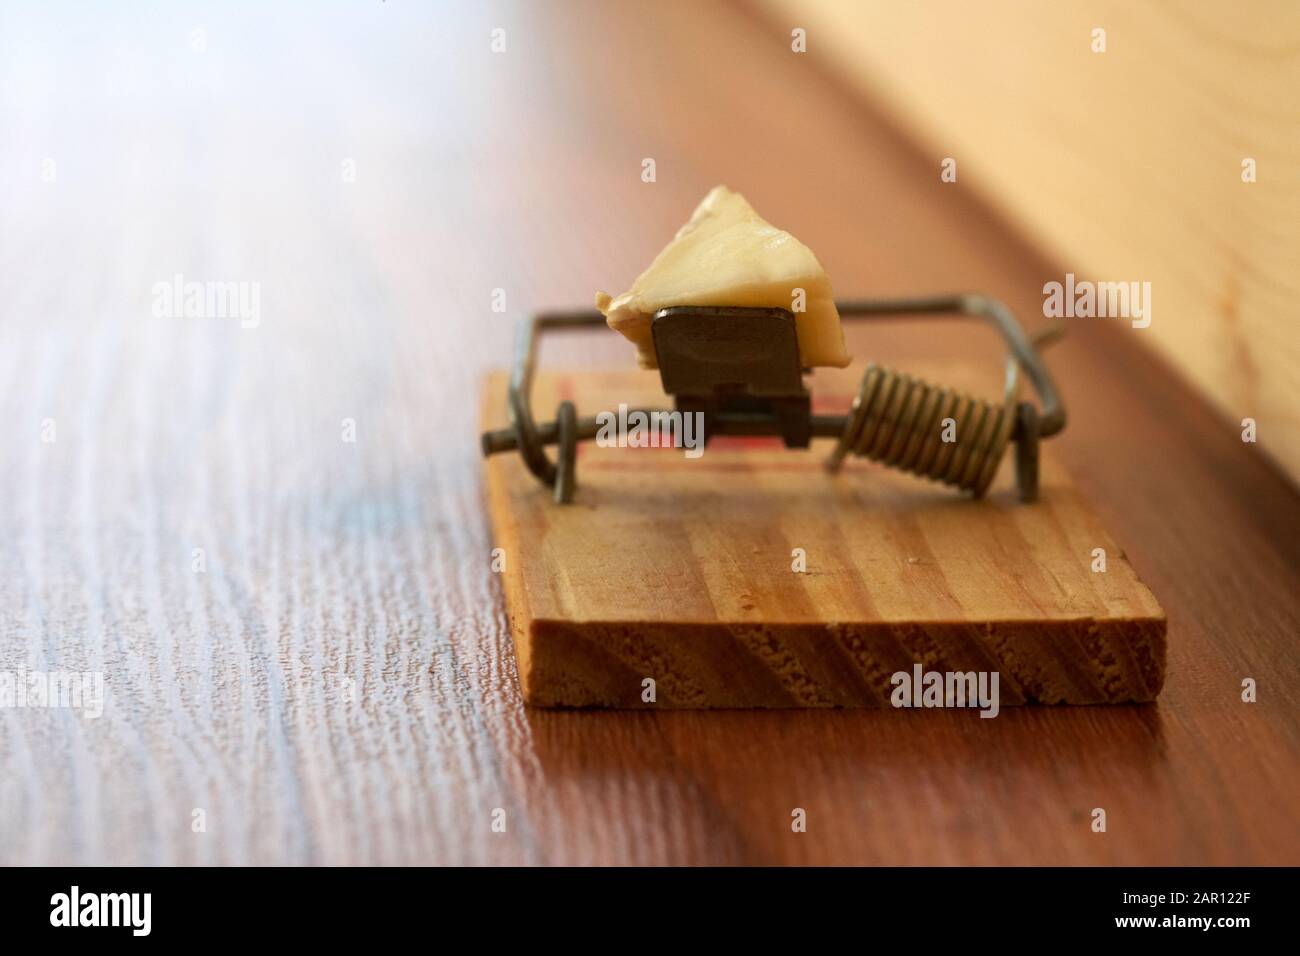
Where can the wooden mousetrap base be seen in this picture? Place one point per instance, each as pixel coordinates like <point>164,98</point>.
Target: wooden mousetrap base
<point>680,571</point>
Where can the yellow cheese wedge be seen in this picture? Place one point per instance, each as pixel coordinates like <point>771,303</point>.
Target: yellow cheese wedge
<point>729,255</point>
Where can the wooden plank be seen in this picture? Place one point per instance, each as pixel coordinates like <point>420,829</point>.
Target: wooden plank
<point>1104,158</point>
<point>682,571</point>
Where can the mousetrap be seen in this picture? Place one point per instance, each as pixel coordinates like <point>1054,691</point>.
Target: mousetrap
<point>759,576</point>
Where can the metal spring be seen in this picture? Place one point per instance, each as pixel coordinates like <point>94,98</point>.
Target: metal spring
<point>897,420</point>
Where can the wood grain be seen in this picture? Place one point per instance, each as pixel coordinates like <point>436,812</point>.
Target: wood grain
<point>339,685</point>
<point>682,571</point>
<point>1124,165</point>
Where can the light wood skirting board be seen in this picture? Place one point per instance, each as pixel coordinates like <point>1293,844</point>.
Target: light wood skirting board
<point>1124,165</point>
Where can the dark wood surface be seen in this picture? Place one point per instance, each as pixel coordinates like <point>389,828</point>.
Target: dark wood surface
<point>338,686</point>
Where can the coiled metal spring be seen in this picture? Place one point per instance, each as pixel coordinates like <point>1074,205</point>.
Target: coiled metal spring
<point>927,430</point>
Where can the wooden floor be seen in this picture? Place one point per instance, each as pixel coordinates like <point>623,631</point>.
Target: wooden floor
<point>337,684</point>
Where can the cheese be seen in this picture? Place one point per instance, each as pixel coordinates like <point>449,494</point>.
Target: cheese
<point>729,255</point>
